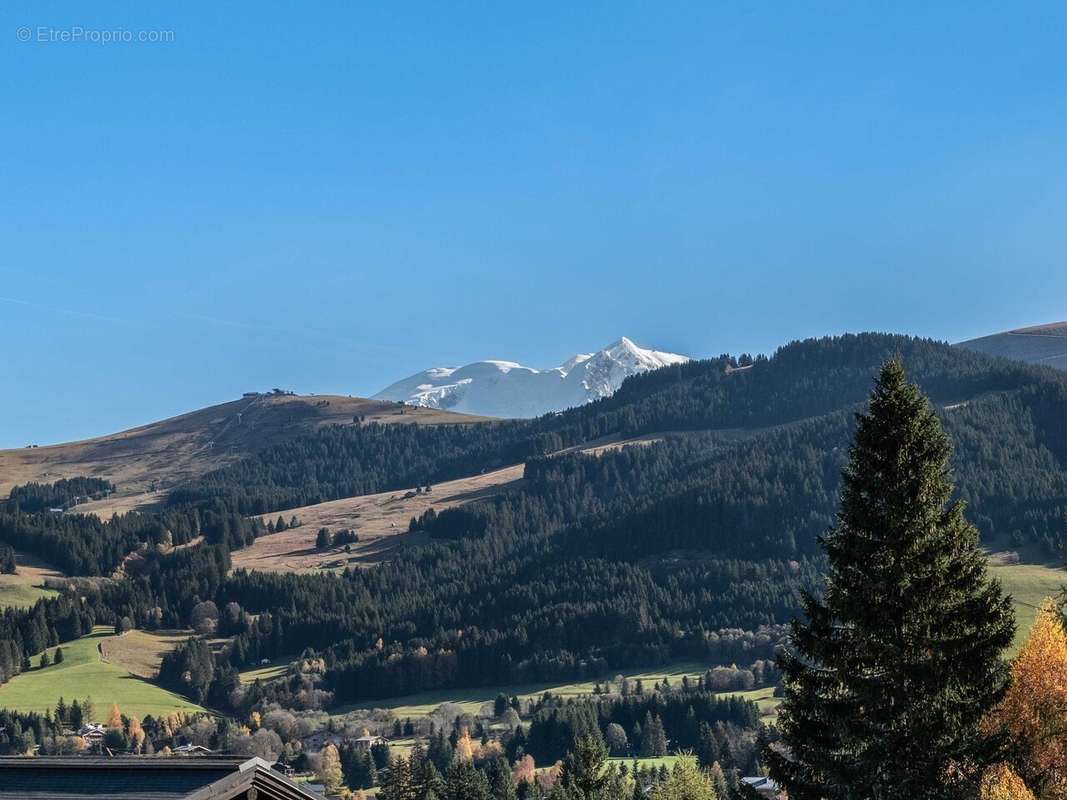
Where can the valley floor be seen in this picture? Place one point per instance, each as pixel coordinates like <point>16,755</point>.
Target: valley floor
<point>471,700</point>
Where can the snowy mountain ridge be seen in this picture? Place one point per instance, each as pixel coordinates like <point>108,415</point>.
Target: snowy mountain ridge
<point>507,389</point>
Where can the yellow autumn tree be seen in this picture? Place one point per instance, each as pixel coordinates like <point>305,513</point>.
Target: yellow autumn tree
<point>1033,712</point>
<point>114,718</point>
<point>1002,783</point>
<point>464,749</point>
<point>330,769</point>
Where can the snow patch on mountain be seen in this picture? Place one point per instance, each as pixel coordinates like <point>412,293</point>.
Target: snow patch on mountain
<point>508,389</point>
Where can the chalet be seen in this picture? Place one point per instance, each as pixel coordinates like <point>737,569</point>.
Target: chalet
<point>367,742</point>
<point>137,778</point>
<point>192,750</point>
<point>764,787</point>
<point>319,739</point>
<point>92,733</point>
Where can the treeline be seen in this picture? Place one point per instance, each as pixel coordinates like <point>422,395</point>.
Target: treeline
<point>160,595</point>
<point>24,632</point>
<point>64,493</point>
<point>534,618</point>
<point>83,544</point>
<point>647,726</point>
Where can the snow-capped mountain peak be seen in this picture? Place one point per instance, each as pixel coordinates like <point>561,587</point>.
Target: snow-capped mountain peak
<point>508,389</point>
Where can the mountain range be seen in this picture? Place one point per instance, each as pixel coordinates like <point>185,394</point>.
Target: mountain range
<point>508,389</point>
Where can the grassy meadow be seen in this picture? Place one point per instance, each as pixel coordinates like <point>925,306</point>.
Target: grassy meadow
<point>85,673</point>
<point>24,588</point>
<point>1028,585</point>
<point>275,669</point>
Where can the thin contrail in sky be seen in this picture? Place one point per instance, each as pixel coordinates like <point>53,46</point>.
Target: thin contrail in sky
<point>291,331</point>
<point>57,310</point>
<point>229,323</point>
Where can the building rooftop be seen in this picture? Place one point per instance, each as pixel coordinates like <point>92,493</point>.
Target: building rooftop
<point>144,778</point>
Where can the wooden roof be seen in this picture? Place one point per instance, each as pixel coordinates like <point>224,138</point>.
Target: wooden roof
<point>144,778</point>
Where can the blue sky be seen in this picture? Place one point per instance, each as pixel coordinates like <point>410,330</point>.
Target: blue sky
<point>328,197</point>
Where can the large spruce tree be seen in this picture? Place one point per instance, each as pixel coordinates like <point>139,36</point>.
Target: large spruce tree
<point>893,670</point>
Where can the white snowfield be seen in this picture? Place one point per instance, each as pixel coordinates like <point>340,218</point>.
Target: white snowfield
<point>507,389</point>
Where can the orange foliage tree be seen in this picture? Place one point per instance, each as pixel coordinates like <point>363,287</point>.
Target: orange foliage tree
<point>524,770</point>
<point>114,719</point>
<point>1033,712</point>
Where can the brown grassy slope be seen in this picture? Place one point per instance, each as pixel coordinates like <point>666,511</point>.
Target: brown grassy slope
<point>167,452</point>
<point>140,652</point>
<point>26,586</point>
<point>380,519</point>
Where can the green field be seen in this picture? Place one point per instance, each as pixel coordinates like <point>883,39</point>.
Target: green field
<point>275,669</point>
<point>25,587</point>
<point>18,591</point>
<point>471,700</point>
<point>83,674</point>
<point>1028,585</point>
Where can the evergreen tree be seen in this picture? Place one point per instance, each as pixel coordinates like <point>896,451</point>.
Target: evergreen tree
<point>583,772</point>
<point>464,782</point>
<point>59,656</point>
<point>399,782</point>
<point>440,751</point>
<point>653,737</point>
<point>428,781</point>
<point>894,669</point>
<point>501,787</point>
<point>685,782</point>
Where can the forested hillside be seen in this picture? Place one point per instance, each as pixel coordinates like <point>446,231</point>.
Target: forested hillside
<point>696,546</point>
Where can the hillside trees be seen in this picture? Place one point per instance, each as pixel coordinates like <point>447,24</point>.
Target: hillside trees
<point>893,671</point>
<point>33,497</point>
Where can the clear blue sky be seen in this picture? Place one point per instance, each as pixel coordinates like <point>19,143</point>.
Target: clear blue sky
<point>330,196</point>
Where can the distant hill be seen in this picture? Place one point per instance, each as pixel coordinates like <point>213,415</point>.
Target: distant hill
<point>1039,344</point>
<point>507,389</point>
<point>161,454</point>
